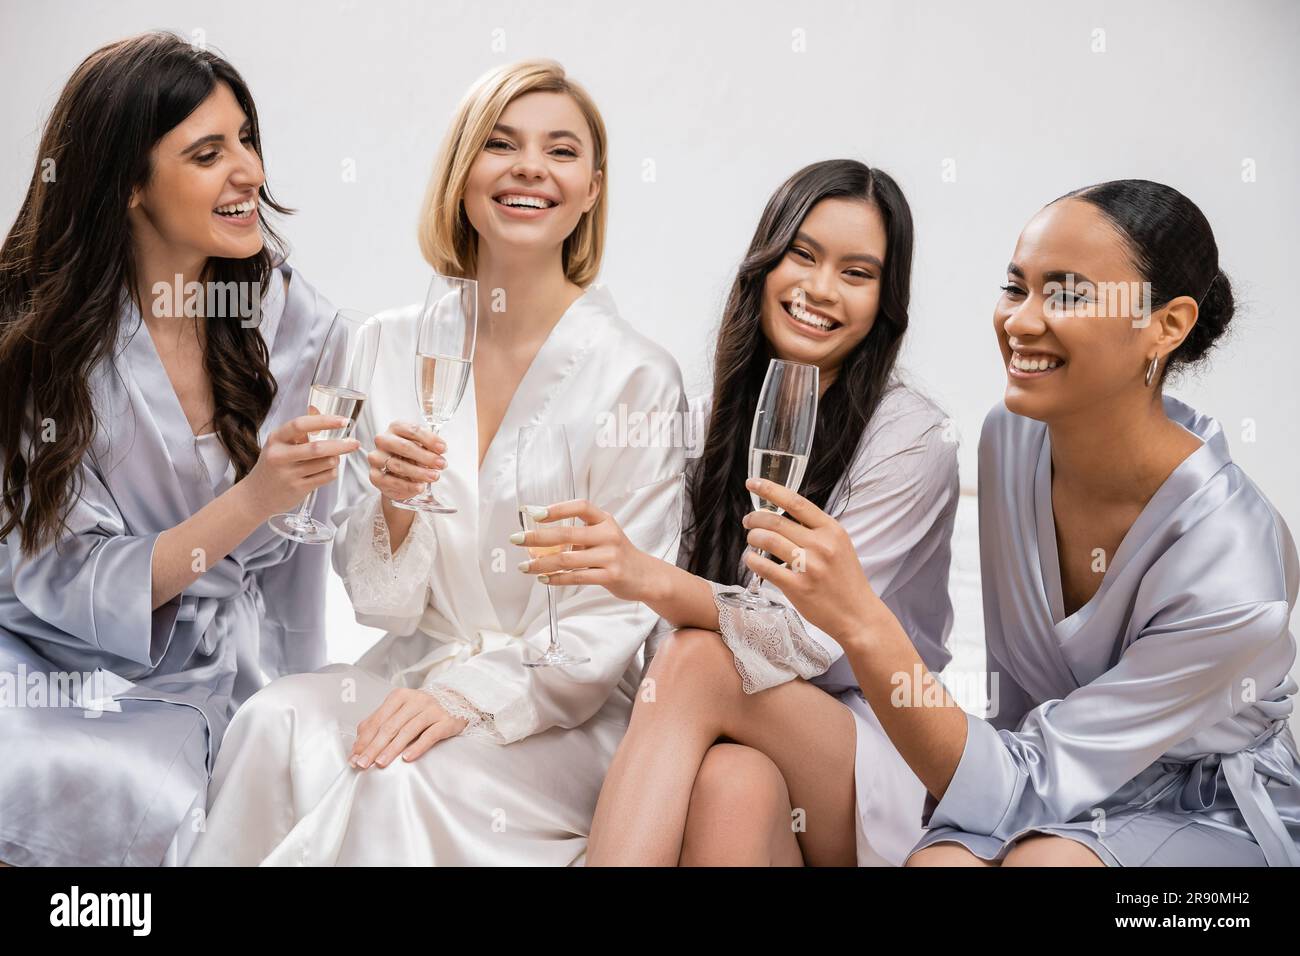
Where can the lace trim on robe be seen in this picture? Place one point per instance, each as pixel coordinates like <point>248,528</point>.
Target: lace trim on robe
<point>379,581</point>
<point>769,648</point>
<point>480,724</point>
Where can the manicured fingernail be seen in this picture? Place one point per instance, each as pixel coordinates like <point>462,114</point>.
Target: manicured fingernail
<point>363,763</point>
<point>753,483</point>
<point>523,565</point>
<point>517,538</point>
<point>543,578</point>
<point>535,511</point>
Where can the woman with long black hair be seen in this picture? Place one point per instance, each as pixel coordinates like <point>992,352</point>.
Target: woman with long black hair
<point>155,362</point>
<point>745,718</point>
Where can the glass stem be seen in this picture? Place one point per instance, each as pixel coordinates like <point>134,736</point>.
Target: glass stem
<point>433,427</point>
<point>555,625</point>
<point>755,582</point>
<point>303,518</point>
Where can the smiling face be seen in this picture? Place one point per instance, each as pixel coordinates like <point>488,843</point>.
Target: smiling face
<point>821,298</point>
<point>535,176</point>
<point>201,197</point>
<point>1070,321</point>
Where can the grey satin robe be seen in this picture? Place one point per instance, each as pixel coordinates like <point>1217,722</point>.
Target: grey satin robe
<point>117,774</point>
<point>1151,724</point>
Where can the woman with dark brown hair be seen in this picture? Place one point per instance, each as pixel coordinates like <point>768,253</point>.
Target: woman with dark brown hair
<point>155,361</point>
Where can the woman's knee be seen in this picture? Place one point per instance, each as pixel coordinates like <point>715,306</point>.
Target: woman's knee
<point>739,812</point>
<point>301,697</point>
<point>1045,849</point>
<point>691,661</point>
<point>740,786</point>
<point>946,854</point>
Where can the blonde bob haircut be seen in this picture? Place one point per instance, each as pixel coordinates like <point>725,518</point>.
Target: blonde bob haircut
<point>447,240</point>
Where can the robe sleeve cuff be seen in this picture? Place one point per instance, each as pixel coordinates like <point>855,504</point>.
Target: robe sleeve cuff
<point>982,788</point>
<point>477,722</point>
<point>513,716</point>
<point>124,572</point>
<point>386,585</point>
<point>768,649</point>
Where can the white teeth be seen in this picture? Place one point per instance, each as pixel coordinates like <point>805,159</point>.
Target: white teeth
<point>1037,364</point>
<point>248,205</point>
<point>807,318</point>
<point>535,202</point>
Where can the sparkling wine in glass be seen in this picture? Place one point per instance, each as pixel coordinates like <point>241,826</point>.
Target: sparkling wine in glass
<point>444,355</point>
<point>779,444</point>
<point>543,477</point>
<point>340,383</point>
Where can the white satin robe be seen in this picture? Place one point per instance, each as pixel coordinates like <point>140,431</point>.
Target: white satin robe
<point>898,502</point>
<point>1150,724</point>
<point>121,779</point>
<point>520,785</point>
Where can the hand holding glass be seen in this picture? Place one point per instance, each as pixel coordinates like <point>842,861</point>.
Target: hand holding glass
<point>544,476</point>
<point>444,355</point>
<point>340,384</point>
<point>779,444</point>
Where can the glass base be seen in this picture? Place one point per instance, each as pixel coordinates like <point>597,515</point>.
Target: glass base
<point>297,528</point>
<point>428,505</point>
<point>556,657</point>
<point>426,502</point>
<point>747,601</point>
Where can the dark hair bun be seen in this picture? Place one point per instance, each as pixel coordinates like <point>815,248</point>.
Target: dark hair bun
<point>1171,243</point>
<point>1212,321</point>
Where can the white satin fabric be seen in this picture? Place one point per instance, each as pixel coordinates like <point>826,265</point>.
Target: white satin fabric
<point>520,786</point>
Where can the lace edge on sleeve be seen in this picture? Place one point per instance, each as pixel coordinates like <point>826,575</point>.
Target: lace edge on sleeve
<point>768,648</point>
<point>480,724</point>
<point>379,581</point>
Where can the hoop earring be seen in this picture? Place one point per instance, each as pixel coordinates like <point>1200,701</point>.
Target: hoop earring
<point>1151,369</point>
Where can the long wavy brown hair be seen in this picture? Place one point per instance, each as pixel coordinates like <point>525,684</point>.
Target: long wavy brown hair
<point>68,261</point>
<point>718,497</point>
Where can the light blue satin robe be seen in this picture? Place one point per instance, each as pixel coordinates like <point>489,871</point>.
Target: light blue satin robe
<point>117,774</point>
<point>1150,724</point>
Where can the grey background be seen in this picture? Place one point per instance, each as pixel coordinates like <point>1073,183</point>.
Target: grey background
<point>725,100</point>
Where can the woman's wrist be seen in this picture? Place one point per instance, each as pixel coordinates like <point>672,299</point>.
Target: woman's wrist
<point>868,627</point>
<point>652,581</point>
<point>398,521</point>
<point>244,495</point>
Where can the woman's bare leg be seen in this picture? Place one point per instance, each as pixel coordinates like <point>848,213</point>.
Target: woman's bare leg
<point>641,815</point>
<point>1045,849</point>
<point>946,854</point>
<point>740,812</point>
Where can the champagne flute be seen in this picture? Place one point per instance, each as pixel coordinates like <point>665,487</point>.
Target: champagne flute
<point>779,444</point>
<point>543,477</point>
<point>444,355</point>
<point>340,383</point>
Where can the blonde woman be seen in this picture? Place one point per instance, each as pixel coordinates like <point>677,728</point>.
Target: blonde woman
<point>440,746</point>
